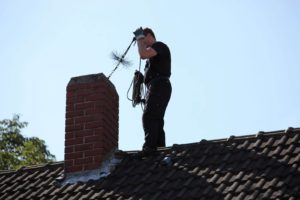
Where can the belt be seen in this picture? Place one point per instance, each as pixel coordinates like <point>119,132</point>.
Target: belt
<point>157,78</point>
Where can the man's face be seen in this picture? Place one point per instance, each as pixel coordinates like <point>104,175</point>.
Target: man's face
<point>147,40</point>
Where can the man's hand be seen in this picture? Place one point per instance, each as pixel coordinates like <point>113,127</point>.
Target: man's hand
<point>139,34</point>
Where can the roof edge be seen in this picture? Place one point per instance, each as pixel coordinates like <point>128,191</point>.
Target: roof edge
<point>33,167</point>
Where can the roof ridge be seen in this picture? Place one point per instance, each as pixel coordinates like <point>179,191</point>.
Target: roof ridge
<point>257,135</point>
<point>231,138</point>
<point>168,148</point>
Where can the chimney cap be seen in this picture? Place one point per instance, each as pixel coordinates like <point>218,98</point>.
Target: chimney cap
<point>90,78</point>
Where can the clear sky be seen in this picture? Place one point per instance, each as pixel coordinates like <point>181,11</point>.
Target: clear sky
<point>235,64</point>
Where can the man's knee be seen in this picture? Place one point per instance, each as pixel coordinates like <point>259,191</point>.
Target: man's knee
<point>145,117</point>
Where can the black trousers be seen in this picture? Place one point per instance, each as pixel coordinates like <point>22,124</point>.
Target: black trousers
<point>157,99</point>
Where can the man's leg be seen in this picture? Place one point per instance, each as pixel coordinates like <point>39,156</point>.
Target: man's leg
<point>151,122</point>
<point>157,99</point>
<point>161,141</point>
<point>166,95</point>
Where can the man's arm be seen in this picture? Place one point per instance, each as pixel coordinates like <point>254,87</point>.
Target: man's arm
<point>144,51</point>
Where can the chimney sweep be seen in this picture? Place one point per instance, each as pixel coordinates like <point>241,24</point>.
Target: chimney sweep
<point>159,89</point>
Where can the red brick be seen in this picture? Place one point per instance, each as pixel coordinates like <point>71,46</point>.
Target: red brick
<point>94,152</point>
<point>94,98</point>
<point>101,110</point>
<point>82,147</point>
<point>70,169</point>
<point>98,158</point>
<point>73,156</point>
<point>71,114</point>
<point>92,125</point>
<point>99,144</point>
<point>84,105</point>
<point>85,92</point>
<point>71,88</point>
<point>71,100</point>
<point>71,94</point>
<point>69,162</point>
<point>74,87</point>
<point>84,133</point>
<point>94,111</point>
<point>93,139</point>
<point>91,166</point>
<point>81,161</point>
<point>69,122</point>
<point>69,135</point>
<point>70,108</point>
<point>69,149</point>
<point>85,119</point>
<point>74,99</point>
<point>75,127</point>
<point>99,130</point>
<point>75,141</point>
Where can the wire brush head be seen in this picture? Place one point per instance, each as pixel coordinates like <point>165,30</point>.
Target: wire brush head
<point>118,58</point>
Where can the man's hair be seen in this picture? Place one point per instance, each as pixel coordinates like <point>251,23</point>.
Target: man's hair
<point>148,31</point>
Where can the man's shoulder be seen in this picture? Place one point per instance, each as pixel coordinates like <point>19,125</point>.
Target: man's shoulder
<point>160,46</point>
<point>159,43</point>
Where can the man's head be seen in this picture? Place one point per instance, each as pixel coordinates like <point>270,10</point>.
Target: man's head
<point>149,31</point>
<point>149,36</point>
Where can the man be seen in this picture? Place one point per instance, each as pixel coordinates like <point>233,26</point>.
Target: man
<point>156,79</point>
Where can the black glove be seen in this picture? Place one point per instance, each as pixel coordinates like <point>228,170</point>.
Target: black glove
<point>139,33</point>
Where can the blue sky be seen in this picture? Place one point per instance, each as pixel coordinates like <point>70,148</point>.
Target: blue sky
<point>235,64</point>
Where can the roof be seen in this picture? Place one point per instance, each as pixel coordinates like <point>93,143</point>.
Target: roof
<point>261,166</point>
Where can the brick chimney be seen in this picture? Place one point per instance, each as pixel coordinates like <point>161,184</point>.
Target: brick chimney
<point>91,123</point>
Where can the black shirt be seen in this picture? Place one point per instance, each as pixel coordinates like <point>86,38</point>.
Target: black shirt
<point>159,65</point>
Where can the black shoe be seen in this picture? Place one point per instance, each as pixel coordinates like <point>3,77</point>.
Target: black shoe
<point>119,154</point>
<point>149,151</point>
<point>146,152</point>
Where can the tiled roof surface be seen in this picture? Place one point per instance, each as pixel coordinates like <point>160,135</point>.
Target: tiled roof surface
<point>262,166</point>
